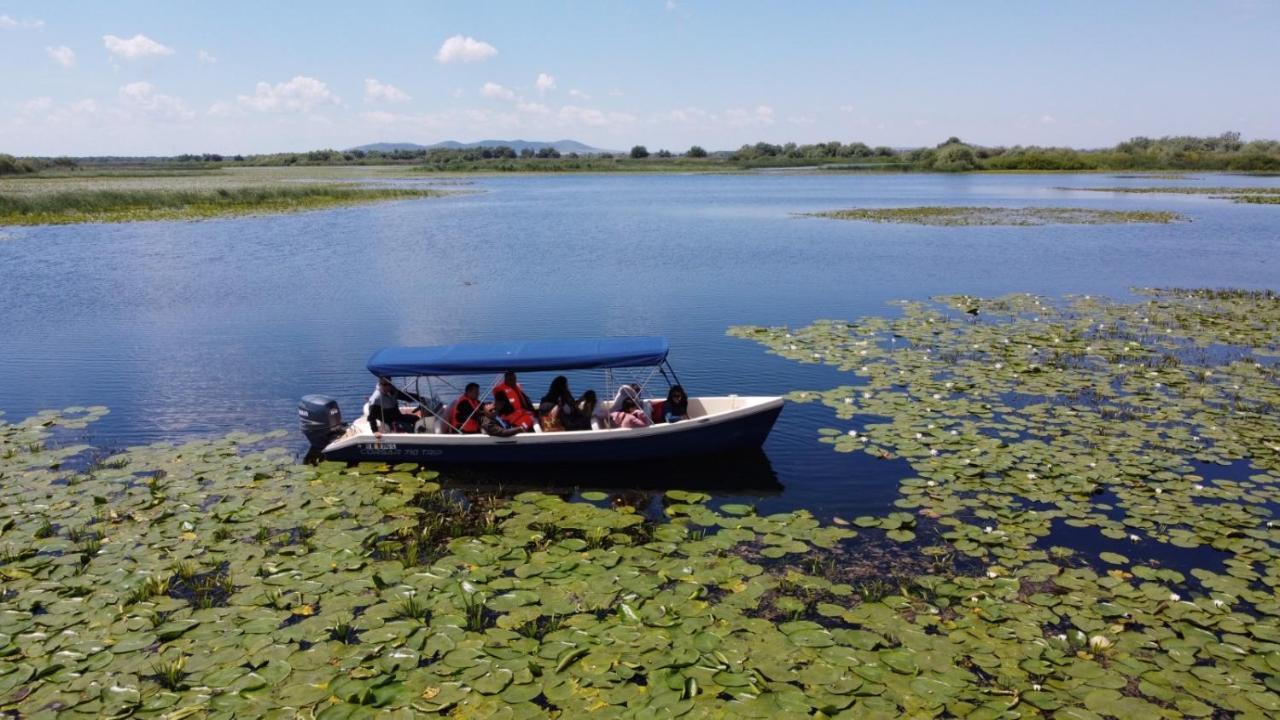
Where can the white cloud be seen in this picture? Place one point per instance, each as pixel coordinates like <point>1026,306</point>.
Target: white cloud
<point>760,117</point>
<point>615,93</point>
<point>576,93</point>
<point>9,22</point>
<point>138,46</point>
<point>574,115</point>
<point>375,91</point>
<point>532,108</point>
<point>35,105</point>
<point>300,94</point>
<point>688,115</point>
<point>545,82</point>
<point>143,96</point>
<point>63,55</point>
<point>671,5</point>
<point>800,120</point>
<point>207,58</point>
<point>1048,119</point>
<point>465,49</point>
<point>497,92</point>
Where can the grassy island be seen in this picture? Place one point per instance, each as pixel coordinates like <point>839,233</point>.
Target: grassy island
<point>128,205</point>
<point>966,216</point>
<point>1086,530</point>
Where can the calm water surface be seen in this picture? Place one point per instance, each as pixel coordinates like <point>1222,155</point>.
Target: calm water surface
<point>189,329</point>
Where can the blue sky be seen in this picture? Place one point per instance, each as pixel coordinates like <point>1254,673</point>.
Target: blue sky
<point>157,78</point>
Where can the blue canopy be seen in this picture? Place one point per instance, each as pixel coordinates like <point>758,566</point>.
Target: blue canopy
<point>528,356</point>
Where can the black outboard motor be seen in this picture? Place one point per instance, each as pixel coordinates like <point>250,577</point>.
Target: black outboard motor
<point>321,421</point>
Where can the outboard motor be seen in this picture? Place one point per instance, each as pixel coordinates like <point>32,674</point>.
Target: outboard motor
<point>321,420</point>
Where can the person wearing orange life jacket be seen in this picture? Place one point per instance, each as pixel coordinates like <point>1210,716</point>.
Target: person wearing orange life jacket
<point>510,414</point>
<point>464,416</point>
<point>523,408</point>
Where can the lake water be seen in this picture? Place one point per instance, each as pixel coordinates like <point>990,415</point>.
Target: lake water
<point>191,329</point>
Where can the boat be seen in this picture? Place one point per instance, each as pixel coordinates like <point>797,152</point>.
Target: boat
<point>716,425</point>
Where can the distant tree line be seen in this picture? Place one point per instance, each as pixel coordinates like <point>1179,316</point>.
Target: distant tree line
<point>10,165</point>
<point>1227,151</point>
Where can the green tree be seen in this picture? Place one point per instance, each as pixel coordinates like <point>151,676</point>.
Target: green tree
<point>639,151</point>
<point>955,157</point>
<point>696,152</point>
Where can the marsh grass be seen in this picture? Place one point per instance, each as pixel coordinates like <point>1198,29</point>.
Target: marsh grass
<point>964,216</point>
<point>128,205</point>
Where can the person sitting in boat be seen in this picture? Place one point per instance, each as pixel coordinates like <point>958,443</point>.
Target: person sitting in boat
<point>510,414</point>
<point>676,408</point>
<point>631,392</point>
<point>494,418</point>
<point>557,405</point>
<point>514,392</point>
<point>585,409</point>
<point>465,415</point>
<point>384,407</point>
<point>630,415</point>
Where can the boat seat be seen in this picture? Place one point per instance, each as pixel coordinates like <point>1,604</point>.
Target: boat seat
<point>439,427</point>
<point>656,416</point>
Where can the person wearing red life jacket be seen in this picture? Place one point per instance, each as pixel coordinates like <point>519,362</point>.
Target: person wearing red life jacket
<point>510,414</point>
<point>465,413</point>
<point>514,392</point>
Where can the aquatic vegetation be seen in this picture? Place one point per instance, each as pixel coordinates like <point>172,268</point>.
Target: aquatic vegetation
<point>1264,195</point>
<point>127,205</point>
<point>961,216</point>
<point>1018,416</point>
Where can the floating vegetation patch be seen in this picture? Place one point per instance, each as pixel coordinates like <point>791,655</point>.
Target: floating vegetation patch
<point>962,216</point>
<point>221,579</point>
<point>1262,195</point>
<point>119,205</point>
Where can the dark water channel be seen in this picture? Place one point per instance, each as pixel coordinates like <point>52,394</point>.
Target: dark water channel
<point>190,329</point>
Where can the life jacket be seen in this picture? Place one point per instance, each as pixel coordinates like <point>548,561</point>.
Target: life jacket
<point>465,424</point>
<point>515,395</point>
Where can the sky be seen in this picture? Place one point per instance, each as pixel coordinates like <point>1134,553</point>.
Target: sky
<point>161,78</point>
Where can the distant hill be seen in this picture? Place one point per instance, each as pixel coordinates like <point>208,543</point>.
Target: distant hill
<point>564,146</point>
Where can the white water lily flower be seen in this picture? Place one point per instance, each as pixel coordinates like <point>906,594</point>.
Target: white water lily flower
<point>999,366</point>
<point>1061,636</point>
<point>1198,486</point>
<point>937,396</point>
<point>1031,476</point>
<point>919,436</point>
<point>992,574</point>
<point>1174,597</point>
<point>955,432</point>
<point>866,395</point>
<point>1035,686</point>
<point>1098,643</point>
<point>1134,538</point>
<point>848,401</point>
<point>853,433</point>
<point>934,452</point>
<point>1159,490</point>
<point>793,346</point>
<point>931,483</point>
<point>1218,603</point>
<point>987,529</point>
<point>863,368</point>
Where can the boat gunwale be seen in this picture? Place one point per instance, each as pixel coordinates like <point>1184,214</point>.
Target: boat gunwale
<point>753,404</point>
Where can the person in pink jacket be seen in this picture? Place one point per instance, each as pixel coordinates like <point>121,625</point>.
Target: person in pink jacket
<point>629,416</point>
